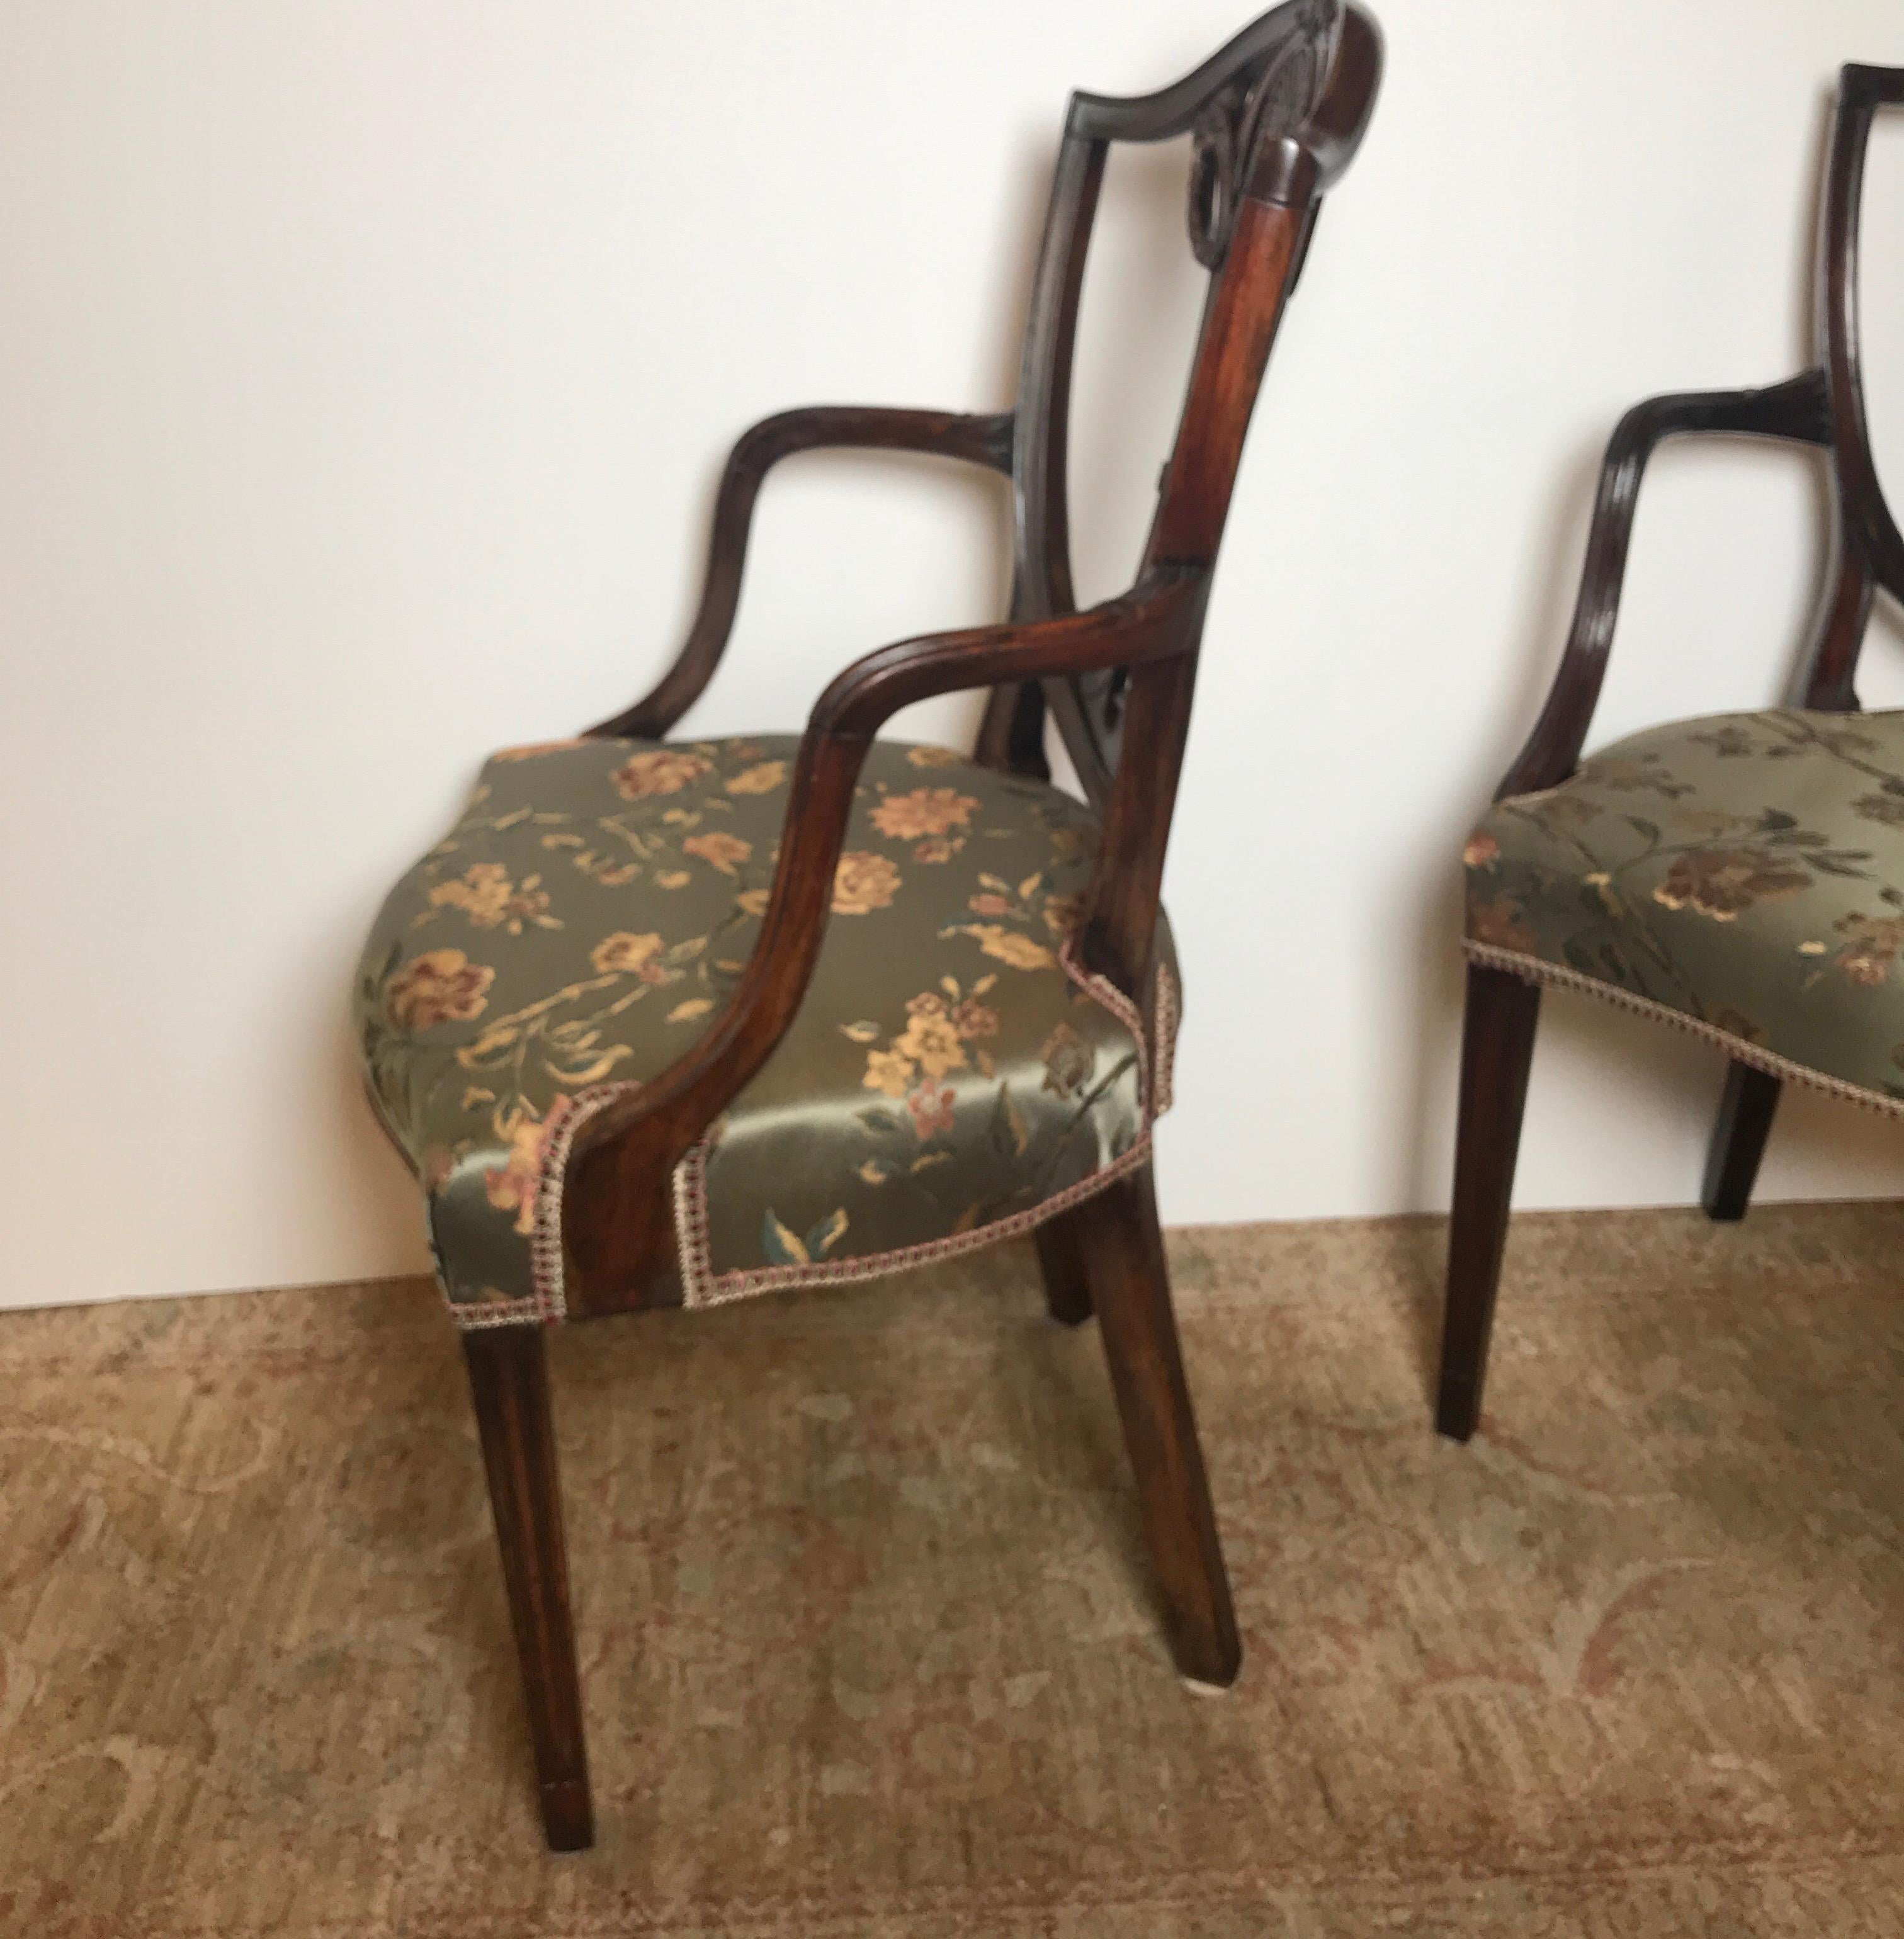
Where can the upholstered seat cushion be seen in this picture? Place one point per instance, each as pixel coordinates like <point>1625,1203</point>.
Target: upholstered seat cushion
<point>948,1077</point>
<point>1742,875</point>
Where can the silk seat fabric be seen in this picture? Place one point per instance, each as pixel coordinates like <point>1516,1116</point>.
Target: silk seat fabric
<point>1741,875</point>
<point>949,1077</point>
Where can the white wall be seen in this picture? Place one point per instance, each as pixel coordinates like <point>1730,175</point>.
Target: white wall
<point>364,370</point>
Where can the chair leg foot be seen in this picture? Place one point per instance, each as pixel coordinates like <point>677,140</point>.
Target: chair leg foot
<point>1496,1051</point>
<point>568,1814</point>
<point>1066,1277</point>
<point>1738,1142</point>
<point>1122,1249</point>
<point>509,1384</point>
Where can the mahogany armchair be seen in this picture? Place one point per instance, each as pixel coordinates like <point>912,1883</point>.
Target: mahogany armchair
<point>679,1021</point>
<point>1740,877</point>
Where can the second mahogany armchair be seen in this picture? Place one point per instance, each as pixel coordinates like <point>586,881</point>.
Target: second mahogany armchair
<point>1739,877</point>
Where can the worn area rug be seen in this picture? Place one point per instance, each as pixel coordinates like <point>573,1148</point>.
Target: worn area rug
<point>867,1635</point>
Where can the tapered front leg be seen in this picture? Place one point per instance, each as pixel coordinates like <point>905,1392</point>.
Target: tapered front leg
<point>1497,1050</point>
<point>509,1382</point>
<point>1060,1259</point>
<point>1122,1249</point>
<point>1738,1141</point>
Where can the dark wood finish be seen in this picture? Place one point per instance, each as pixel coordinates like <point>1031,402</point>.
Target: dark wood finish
<point>1867,528</point>
<point>1130,1283</point>
<point>1011,733</point>
<point>1496,1052</point>
<point>508,1383</point>
<point>1062,1261</point>
<point>1276,117</point>
<point>985,440</point>
<point>1798,411</point>
<point>1822,407</point>
<point>1738,1141</point>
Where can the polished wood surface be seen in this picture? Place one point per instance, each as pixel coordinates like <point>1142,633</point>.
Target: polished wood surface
<point>1130,1287</point>
<point>983,441</point>
<point>509,1384</point>
<point>1497,1054</point>
<point>1274,117</point>
<point>1798,411</point>
<point>1738,1141</point>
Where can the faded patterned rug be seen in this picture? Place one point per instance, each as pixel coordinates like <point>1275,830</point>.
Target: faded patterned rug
<point>865,1631</point>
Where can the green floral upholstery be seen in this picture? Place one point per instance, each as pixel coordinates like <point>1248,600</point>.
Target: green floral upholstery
<point>948,1077</point>
<point>1742,875</point>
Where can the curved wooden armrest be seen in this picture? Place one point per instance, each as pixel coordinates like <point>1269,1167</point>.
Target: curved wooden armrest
<point>1798,411</point>
<point>985,440</point>
<point>615,1225</point>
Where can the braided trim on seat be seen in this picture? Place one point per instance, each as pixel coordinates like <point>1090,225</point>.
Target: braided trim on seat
<point>700,1285</point>
<point>548,1302</point>
<point>1168,1014</point>
<point>701,1288</point>
<point>1537,969</point>
<point>471,1315</point>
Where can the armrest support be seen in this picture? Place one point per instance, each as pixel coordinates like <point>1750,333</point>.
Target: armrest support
<point>1798,411</point>
<point>626,1147</point>
<point>985,440</point>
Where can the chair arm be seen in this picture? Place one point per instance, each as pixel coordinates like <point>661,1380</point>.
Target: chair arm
<point>1798,411</point>
<point>985,440</point>
<point>638,1140</point>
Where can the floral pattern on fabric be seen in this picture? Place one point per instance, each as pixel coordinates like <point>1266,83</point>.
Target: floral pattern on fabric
<point>590,914</point>
<point>1743,874</point>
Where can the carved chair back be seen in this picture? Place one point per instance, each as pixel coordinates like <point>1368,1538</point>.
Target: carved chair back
<point>1272,117</point>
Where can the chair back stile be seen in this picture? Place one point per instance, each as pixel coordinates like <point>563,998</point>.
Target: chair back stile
<point>1273,117</point>
<point>1867,551</point>
<point>1154,701</point>
<point>1262,94</point>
